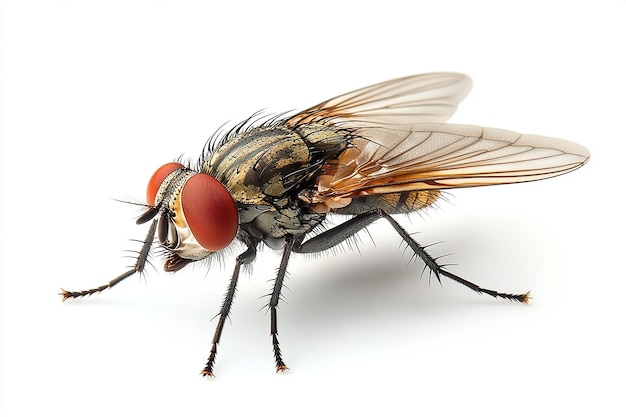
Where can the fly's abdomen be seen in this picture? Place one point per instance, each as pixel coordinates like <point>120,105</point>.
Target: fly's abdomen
<point>392,203</point>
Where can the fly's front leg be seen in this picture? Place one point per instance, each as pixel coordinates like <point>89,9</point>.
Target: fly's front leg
<point>338,234</point>
<point>245,258</point>
<point>142,258</point>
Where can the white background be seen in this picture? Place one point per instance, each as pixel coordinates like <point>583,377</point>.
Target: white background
<point>97,95</point>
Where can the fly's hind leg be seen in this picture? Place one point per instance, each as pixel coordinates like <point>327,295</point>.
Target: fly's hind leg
<point>338,234</point>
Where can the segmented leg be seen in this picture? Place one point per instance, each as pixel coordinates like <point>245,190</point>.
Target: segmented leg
<point>139,266</point>
<point>275,298</point>
<point>338,234</point>
<point>245,258</point>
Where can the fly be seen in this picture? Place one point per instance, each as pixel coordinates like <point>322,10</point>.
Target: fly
<point>366,155</point>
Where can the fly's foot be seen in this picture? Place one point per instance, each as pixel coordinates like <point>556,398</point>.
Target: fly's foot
<point>281,367</point>
<point>65,295</point>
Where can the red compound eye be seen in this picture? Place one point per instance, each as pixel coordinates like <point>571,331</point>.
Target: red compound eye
<point>157,179</point>
<point>210,211</point>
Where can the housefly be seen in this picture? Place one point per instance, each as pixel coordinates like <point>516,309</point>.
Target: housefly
<point>366,155</point>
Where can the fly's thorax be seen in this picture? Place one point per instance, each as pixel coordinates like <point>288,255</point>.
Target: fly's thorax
<point>278,222</point>
<point>256,165</point>
<point>267,168</point>
<point>197,215</point>
<point>325,139</point>
<point>266,163</point>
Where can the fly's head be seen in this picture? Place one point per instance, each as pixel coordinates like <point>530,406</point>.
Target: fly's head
<point>197,214</point>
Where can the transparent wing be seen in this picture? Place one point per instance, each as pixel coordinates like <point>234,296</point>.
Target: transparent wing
<point>403,101</point>
<point>432,156</point>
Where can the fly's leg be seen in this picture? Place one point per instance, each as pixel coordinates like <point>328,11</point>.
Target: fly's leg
<point>139,266</point>
<point>275,298</point>
<point>245,258</point>
<point>338,234</point>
